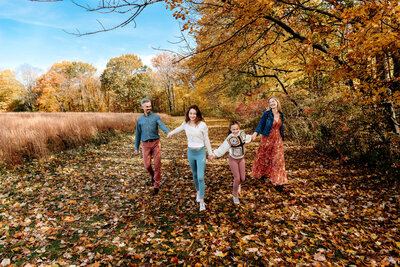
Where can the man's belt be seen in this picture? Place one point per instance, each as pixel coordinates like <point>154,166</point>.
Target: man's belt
<point>150,140</point>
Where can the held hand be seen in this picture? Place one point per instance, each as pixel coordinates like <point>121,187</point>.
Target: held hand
<point>169,135</point>
<point>211,157</point>
<point>254,136</point>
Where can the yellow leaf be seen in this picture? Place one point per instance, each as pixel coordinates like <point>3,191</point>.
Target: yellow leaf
<point>220,254</point>
<point>290,244</point>
<point>351,251</point>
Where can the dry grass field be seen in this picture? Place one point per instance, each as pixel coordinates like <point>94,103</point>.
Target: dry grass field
<point>34,135</point>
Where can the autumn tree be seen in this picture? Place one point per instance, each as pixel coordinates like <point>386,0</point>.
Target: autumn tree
<point>170,75</point>
<point>69,86</point>
<point>353,43</point>
<point>124,82</point>
<point>11,91</point>
<point>29,76</point>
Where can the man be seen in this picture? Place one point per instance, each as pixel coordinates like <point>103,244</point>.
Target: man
<point>147,134</point>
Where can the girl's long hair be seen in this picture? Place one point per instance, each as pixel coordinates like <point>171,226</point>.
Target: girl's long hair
<point>232,123</point>
<point>199,117</point>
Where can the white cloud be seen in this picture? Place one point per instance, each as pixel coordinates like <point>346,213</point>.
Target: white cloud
<point>37,23</point>
<point>146,59</point>
<point>100,64</point>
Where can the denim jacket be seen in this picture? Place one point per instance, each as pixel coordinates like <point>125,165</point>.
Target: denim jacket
<point>265,124</point>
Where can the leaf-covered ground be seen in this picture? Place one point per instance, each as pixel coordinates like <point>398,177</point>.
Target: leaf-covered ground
<point>93,205</point>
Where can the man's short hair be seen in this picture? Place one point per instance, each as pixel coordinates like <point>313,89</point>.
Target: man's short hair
<point>144,100</point>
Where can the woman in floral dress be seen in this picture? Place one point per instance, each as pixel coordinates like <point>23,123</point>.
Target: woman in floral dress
<point>270,160</point>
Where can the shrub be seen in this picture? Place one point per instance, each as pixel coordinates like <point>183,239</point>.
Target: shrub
<point>337,126</point>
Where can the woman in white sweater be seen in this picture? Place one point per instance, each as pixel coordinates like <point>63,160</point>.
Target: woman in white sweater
<point>197,137</point>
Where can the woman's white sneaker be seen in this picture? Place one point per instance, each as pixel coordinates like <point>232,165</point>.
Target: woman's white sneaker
<point>202,206</point>
<point>236,200</point>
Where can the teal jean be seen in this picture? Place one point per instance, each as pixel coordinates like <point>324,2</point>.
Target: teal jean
<point>197,162</point>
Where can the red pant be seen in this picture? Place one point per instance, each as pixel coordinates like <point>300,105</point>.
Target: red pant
<point>153,149</point>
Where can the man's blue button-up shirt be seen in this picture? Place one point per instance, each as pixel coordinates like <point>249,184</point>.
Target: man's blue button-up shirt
<point>147,128</point>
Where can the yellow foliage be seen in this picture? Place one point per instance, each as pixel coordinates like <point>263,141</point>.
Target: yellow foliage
<point>10,89</point>
<point>317,45</point>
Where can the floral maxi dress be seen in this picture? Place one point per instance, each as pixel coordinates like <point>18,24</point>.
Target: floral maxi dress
<point>270,160</point>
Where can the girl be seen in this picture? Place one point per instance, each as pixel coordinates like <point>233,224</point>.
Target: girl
<point>235,144</point>
<point>197,137</point>
<point>269,160</point>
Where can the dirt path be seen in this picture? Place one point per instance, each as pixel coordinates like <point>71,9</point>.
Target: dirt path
<point>93,205</point>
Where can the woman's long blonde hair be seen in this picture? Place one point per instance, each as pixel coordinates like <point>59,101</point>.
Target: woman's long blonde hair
<point>277,101</point>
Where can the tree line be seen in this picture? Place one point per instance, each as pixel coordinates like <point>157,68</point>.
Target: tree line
<point>77,86</point>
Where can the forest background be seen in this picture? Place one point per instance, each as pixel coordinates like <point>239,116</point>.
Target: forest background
<point>335,66</point>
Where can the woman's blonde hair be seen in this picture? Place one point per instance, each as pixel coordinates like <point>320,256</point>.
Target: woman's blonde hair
<point>277,101</point>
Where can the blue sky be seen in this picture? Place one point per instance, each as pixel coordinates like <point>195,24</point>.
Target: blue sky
<point>32,33</point>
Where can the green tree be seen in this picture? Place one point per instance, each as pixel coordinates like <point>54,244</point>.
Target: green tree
<point>124,82</point>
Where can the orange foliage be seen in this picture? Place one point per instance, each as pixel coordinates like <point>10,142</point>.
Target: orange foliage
<point>349,42</point>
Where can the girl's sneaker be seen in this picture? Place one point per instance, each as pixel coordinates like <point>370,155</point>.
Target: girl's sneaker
<point>198,197</point>
<point>236,200</point>
<point>202,206</point>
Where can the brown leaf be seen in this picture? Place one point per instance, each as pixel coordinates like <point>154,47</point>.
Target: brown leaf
<point>319,257</point>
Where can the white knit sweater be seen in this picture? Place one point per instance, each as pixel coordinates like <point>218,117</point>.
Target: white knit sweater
<point>234,152</point>
<point>197,136</point>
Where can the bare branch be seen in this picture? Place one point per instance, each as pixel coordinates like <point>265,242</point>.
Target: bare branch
<point>316,10</point>
<point>276,78</point>
<point>221,43</point>
<point>122,7</point>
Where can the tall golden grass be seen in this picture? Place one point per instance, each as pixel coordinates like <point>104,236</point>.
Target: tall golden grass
<point>34,135</point>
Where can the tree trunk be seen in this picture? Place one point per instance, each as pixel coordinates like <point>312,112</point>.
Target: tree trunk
<point>395,88</point>
<point>393,118</point>
<point>383,75</point>
<point>173,97</point>
<point>169,96</point>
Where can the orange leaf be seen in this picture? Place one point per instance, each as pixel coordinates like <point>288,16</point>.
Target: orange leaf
<point>18,235</point>
<point>69,219</point>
